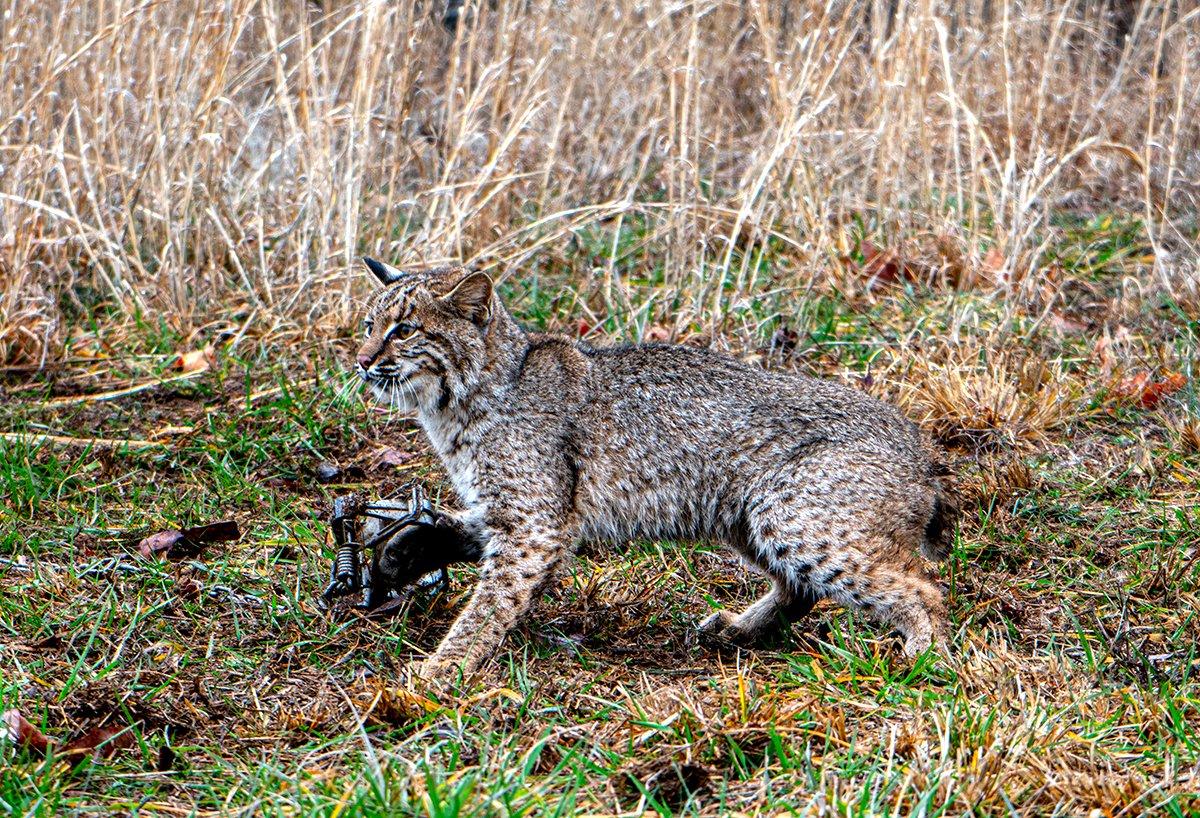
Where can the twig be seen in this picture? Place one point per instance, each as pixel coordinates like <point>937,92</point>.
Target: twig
<point>118,393</point>
<point>97,442</point>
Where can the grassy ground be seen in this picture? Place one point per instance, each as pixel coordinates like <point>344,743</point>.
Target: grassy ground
<point>1072,587</point>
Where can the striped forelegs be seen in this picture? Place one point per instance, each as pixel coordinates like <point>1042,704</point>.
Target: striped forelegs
<point>513,572</point>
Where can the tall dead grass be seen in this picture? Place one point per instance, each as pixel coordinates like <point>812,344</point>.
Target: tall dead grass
<point>190,158</point>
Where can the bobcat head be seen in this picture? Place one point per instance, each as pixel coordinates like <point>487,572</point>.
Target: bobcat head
<point>425,335</point>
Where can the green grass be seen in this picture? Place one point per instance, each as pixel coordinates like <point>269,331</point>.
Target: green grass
<point>1072,593</point>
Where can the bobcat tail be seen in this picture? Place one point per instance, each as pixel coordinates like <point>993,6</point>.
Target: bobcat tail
<point>939,531</point>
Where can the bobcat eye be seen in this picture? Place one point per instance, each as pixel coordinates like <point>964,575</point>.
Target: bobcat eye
<point>368,327</point>
<point>403,332</point>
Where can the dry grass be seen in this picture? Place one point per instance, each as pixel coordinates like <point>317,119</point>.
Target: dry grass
<point>182,158</point>
<point>984,397</point>
<point>985,211</point>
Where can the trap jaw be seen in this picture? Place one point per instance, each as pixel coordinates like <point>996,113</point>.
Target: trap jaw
<point>384,520</point>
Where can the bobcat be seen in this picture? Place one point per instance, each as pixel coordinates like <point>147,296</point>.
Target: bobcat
<point>550,442</point>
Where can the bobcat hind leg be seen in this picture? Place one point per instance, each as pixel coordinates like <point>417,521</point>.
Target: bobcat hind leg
<point>774,609</point>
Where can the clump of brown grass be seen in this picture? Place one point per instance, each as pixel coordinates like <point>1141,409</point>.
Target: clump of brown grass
<point>998,480</point>
<point>27,320</point>
<point>987,398</point>
<point>1189,436</point>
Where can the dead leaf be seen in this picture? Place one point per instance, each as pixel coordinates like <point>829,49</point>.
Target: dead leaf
<point>993,265</point>
<point>52,642</point>
<point>224,531</point>
<point>1065,325</point>
<point>327,472</point>
<point>197,360</point>
<point>160,543</point>
<point>101,742</point>
<point>85,544</point>
<point>879,266</point>
<point>390,458</point>
<point>784,341</point>
<point>1104,355</point>
<point>888,266</point>
<point>22,733</point>
<point>1156,391</point>
<point>1146,392</point>
<point>189,541</point>
<point>187,588</point>
<point>1132,385</point>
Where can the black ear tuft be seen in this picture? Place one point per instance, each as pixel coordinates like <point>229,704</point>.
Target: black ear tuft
<point>386,273</point>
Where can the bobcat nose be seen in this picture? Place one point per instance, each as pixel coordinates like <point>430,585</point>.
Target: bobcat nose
<point>364,361</point>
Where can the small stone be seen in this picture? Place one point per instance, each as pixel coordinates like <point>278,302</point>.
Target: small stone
<point>327,472</point>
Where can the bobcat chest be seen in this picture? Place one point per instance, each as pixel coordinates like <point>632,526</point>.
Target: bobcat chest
<point>455,448</point>
<point>463,477</point>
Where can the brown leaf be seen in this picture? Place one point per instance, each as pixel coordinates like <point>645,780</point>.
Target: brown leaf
<point>993,265</point>
<point>21,732</point>
<point>52,642</point>
<point>85,544</point>
<point>189,541</point>
<point>187,588</point>
<point>887,266</point>
<point>160,543</point>
<point>1156,391</point>
<point>1147,392</point>
<point>390,458</point>
<point>328,472</point>
<point>1132,385</point>
<point>784,341</point>
<point>1064,324</point>
<point>224,531</point>
<point>1104,354</point>
<point>879,266</point>
<point>197,360</point>
<point>101,742</point>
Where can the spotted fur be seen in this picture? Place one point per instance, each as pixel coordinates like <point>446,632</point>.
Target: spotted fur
<point>550,442</point>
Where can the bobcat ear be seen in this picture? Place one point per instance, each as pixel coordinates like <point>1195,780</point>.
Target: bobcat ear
<point>472,298</point>
<point>386,273</point>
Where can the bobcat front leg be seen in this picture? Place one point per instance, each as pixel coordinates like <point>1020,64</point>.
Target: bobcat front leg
<point>515,567</point>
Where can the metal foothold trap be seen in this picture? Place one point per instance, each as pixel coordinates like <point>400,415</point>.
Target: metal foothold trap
<point>410,544</point>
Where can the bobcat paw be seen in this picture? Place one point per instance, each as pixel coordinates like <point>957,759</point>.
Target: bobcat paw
<point>722,629</point>
<point>715,623</point>
<point>433,676</point>
<point>917,643</point>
